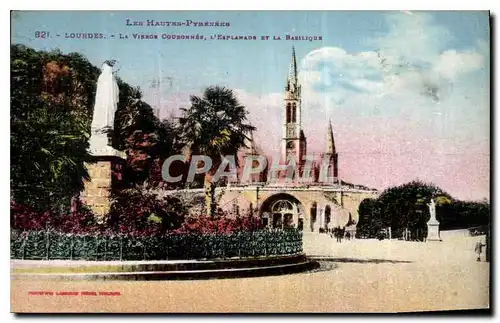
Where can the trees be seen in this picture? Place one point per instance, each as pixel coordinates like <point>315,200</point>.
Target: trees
<point>147,140</point>
<point>405,206</point>
<point>370,218</point>
<point>142,212</point>
<point>50,102</point>
<point>52,98</point>
<point>464,214</point>
<point>404,209</point>
<point>214,126</point>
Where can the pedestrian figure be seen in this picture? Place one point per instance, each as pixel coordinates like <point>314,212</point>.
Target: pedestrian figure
<point>479,249</point>
<point>348,236</point>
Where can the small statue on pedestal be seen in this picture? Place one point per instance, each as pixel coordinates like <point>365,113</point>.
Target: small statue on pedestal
<point>433,224</point>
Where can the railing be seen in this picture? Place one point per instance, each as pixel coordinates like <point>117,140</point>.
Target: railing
<point>41,245</point>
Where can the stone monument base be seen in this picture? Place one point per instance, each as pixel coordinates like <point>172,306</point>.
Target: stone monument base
<point>105,175</point>
<point>433,232</point>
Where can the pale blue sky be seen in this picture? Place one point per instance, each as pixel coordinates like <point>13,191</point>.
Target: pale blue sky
<point>257,67</point>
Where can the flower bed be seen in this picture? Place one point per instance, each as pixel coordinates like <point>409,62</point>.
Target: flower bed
<point>38,245</point>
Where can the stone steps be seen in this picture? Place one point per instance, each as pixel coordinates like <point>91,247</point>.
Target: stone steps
<point>163,270</point>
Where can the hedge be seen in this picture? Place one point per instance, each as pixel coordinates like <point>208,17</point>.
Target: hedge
<point>45,245</point>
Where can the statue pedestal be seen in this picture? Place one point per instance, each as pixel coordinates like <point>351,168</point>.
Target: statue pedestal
<point>106,169</point>
<point>100,146</point>
<point>433,231</point>
<point>105,172</point>
<point>105,176</point>
<point>433,224</point>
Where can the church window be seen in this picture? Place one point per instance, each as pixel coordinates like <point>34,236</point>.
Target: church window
<point>288,112</point>
<point>294,112</point>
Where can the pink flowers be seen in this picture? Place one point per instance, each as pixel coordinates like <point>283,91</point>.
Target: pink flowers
<point>219,224</point>
<point>133,216</point>
<point>26,218</point>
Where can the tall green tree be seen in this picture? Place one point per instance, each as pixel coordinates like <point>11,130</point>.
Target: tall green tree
<point>370,218</point>
<point>215,126</point>
<point>52,100</point>
<point>146,139</point>
<point>404,208</point>
<point>51,97</point>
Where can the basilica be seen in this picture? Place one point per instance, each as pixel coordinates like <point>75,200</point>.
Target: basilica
<point>295,191</point>
<point>309,201</point>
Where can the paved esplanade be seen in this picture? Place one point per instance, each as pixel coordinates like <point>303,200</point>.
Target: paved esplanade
<point>367,275</point>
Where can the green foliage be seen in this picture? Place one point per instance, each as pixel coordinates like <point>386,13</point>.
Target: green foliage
<point>464,214</point>
<point>147,140</point>
<point>141,212</point>
<point>215,126</point>
<point>52,245</point>
<point>370,218</point>
<point>155,218</point>
<point>51,98</point>
<point>405,207</point>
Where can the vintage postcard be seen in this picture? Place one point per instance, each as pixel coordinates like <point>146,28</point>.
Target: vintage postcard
<point>249,161</point>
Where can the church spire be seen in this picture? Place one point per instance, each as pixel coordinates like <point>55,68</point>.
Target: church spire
<point>293,142</point>
<point>331,152</point>
<point>292,71</point>
<point>330,140</point>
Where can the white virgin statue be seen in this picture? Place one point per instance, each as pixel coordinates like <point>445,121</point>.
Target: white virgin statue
<point>106,99</point>
<point>432,211</point>
<point>432,208</point>
<point>106,103</point>
<point>433,223</point>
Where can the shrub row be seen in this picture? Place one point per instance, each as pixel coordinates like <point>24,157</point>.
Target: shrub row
<point>133,214</point>
<point>38,245</point>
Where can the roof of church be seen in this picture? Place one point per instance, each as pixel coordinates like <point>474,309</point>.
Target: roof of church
<point>292,72</point>
<point>330,140</point>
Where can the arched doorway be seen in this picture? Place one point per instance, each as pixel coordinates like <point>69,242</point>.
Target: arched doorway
<point>314,212</point>
<point>282,211</point>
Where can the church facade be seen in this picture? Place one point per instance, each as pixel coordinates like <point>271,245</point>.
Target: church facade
<point>307,201</point>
